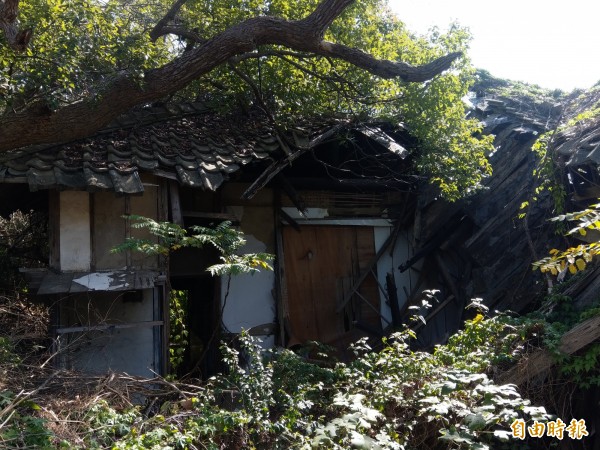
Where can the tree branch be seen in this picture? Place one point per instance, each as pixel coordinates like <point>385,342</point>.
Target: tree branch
<point>385,68</point>
<point>17,40</point>
<point>179,31</point>
<point>158,29</point>
<point>124,90</point>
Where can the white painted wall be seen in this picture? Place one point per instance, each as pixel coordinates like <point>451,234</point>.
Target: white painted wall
<point>389,263</point>
<point>75,245</point>
<point>250,301</point>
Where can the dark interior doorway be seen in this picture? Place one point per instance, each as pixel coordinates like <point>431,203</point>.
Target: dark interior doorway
<point>201,357</point>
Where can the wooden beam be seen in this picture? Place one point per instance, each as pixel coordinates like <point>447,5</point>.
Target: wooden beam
<point>542,360</point>
<point>393,299</point>
<point>289,219</point>
<point>292,193</point>
<point>176,214</point>
<point>446,274</point>
<point>210,215</point>
<point>109,327</point>
<point>442,236</point>
<point>279,165</point>
<point>280,283</point>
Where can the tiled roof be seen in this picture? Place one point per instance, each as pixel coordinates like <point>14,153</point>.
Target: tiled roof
<point>187,143</point>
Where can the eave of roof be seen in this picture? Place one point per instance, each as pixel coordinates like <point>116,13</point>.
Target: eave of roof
<point>187,143</point>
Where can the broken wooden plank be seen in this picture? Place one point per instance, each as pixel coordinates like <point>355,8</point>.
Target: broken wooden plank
<point>446,274</point>
<point>393,299</point>
<point>443,235</point>
<point>279,165</point>
<point>368,303</point>
<point>292,193</point>
<point>542,360</point>
<point>367,270</point>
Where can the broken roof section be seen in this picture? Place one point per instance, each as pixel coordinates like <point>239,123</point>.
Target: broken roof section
<point>188,143</point>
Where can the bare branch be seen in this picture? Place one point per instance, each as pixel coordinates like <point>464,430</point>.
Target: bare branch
<point>324,15</point>
<point>263,53</point>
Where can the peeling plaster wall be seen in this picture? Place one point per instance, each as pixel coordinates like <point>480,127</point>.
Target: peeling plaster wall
<point>250,301</point>
<point>75,244</point>
<point>128,350</point>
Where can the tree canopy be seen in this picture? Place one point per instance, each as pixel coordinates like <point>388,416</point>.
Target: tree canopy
<point>68,67</point>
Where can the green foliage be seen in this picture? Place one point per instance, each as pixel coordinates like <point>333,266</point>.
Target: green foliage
<point>453,154</point>
<point>395,398</point>
<point>19,427</point>
<point>392,399</point>
<point>23,243</point>
<point>574,259</point>
<point>172,237</point>
<point>581,110</point>
<point>78,45</point>
<point>178,332</point>
<point>583,367</point>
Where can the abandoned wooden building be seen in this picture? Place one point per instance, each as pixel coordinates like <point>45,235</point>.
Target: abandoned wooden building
<point>332,199</point>
<point>356,235</point>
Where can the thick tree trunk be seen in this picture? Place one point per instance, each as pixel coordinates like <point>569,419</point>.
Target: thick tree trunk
<point>39,125</point>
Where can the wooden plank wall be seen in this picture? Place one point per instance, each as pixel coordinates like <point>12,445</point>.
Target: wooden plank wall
<point>317,261</point>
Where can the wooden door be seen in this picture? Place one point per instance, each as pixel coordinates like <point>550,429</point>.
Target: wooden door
<point>321,263</point>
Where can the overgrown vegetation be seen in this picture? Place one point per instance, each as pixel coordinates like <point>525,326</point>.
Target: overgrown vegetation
<point>170,237</point>
<point>23,243</point>
<point>393,399</point>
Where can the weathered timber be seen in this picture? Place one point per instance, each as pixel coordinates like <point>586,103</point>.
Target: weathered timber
<point>289,219</point>
<point>434,243</point>
<point>366,271</point>
<point>393,298</point>
<point>176,214</point>
<point>439,308</point>
<point>541,361</point>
